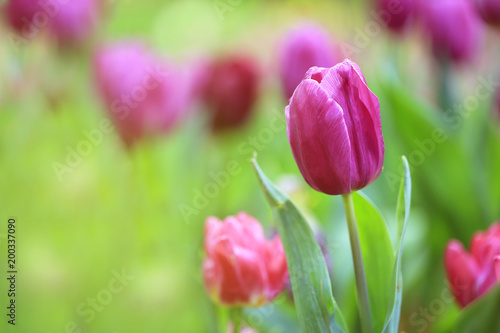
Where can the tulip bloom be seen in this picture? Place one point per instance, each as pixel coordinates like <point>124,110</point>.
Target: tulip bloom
<point>334,129</point>
<point>395,13</point>
<point>144,96</point>
<point>69,21</point>
<point>473,273</point>
<point>242,268</point>
<point>230,91</point>
<point>453,27</point>
<point>489,11</point>
<point>302,49</point>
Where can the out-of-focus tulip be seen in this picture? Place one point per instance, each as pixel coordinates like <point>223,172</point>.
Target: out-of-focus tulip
<point>489,11</point>
<point>334,129</point>
<point>68,21</point>
<point>230,90</point>
<point>302,49</point>
<point>144,96</point>
<point>453,27</point>
<point>395,13</point>
<point>242,268</point>
<point>473,273</point>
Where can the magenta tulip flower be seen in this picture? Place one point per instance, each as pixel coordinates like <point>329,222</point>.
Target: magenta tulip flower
<point>453,27</point>
<point>395,13</point>
<point>67,21</point>
<point>489,11</point>
<point>230,91</point>
<point>334,129</point>
<point>242,267</point>
<point>471,274</point>
<point>302,49</point>
<point>145,96</point>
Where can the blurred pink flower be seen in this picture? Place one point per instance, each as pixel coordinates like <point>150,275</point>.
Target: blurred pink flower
<point>230,90</point>
<point>453,27</point>
<point>68,21</point>
<point>144,95</point>
<point>489,11</point>
<point>242,268</point>
<point>334,129</point>
<point>302,49</point>
<point>473,273</point>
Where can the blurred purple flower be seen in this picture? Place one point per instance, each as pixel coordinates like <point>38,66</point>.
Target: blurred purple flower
<point>230,90</point>
<point>489,11</point>
<point>68,21</point>
<point>453,28</point>
<point>302,49</point>
<point>334,129</point>
<point>144,96</point>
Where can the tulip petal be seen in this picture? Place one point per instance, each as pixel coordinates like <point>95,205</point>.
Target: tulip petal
<point>277,269</point>
<point>319,139</point>
<point>347,86</point>
<point>242,273</point>
<point>462,271</point>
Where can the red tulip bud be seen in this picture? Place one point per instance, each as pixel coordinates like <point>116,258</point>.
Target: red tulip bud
<point>472,274</point>
<point>334,129</point>
<point>395,13</point>
<point>489,11</point>
<point>230,91</point>
<point>242,268</point>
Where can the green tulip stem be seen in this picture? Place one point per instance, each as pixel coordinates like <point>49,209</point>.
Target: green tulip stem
<point>446,89</point>
<point>237,319</point>
<point>359,268</point>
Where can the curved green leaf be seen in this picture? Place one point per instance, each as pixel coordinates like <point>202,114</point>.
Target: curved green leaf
<point>402,214</point>
<point>311,285</point>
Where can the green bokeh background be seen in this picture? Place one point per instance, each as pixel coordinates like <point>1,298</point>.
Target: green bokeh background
<point>121,211</point>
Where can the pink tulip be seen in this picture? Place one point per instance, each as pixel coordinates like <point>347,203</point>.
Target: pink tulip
<point>395,13</point>
<point>453,27</point>
<point>230,91</point>
<point>144,95</point>
<point>241,267</point>
<point>473,273</point>
<point>334,129</point>
<point>302,49</point>
<point>489,11</point>
<point>68,21</point>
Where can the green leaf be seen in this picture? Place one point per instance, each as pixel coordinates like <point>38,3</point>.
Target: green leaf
<point>378,258</point>
<point>402,214</point>
<point>481,315</point>
<point>316,308</point>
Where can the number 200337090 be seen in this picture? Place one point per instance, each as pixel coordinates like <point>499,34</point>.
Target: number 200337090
<point>11,243</point>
